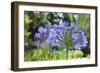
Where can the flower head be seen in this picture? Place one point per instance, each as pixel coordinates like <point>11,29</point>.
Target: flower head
<point>41,32</point>
<point>79,40</point>
<point>56,35</point>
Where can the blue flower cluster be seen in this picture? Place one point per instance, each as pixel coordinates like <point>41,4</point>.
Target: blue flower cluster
<point>53,35</point>
<point>79,39</point>
<point>42,32</point>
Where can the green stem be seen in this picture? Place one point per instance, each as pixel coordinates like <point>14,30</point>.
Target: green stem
<point>66,53</point>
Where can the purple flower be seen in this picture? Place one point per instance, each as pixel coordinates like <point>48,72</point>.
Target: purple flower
<point>41,32</point>
<point>72,25</point>
<point>62,26</point>
<point>55,35</point>
<point>79,39</point>
<point>51,37</point>
<point>38,35</point>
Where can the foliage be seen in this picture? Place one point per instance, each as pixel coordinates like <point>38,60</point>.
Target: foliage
<point>43,53</point>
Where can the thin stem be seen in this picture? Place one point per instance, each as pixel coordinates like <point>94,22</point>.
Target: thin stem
<point>66,53</point>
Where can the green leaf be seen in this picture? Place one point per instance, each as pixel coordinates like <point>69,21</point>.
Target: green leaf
<point>78,54</point>
<point>70,15</point>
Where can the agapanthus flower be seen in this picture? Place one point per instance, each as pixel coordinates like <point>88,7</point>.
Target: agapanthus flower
<point>61,27</point>
<point>79,39</point>
<point>72,25</point>
<point>55,35</point>
<point>41,32</point>
<point>38,35</point>
<point>52,35</point>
